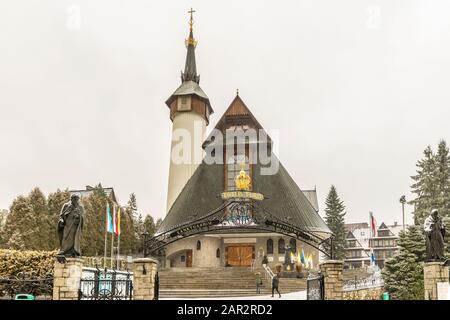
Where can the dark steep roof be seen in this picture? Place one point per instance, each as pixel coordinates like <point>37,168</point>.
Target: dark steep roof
<point>201,195</point>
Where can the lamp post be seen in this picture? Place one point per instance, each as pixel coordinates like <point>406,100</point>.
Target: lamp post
<point>403,201</point>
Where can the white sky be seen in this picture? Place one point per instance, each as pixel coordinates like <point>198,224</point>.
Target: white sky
<point>357,88</point>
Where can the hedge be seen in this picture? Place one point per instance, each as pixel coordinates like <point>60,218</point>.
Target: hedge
<point>38,264</point>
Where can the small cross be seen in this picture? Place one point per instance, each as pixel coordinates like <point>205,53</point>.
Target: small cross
<point>191,22</point>
<point>237,92</point>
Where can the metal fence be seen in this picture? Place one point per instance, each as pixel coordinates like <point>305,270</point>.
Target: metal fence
<point>123,264</point>
<point>315,287</point>
<point>25,283</point>
<point>156,288</point>
<point>105,284</point>
<point>373,281</point>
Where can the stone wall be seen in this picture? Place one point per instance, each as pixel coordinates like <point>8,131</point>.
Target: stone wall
<point>66,279</point>
<point>434,272</point>
<point>144,271</point>
<point>333,279</point>
<point>363,294</point>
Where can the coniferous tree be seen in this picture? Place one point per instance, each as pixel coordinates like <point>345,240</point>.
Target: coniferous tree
<point>443,178</point>
<point>403,277</point>
<point>413,241</point>
<point>42,221</point>
<point>137,222</point>
<point>425,186</point>
<point>334,218</point>
<point>149,225</point>
<point>21,224</point>
<point>93,239</point>
<point>158,224</point>
<point>432,187</point>
<point>3,216</point>
<point>403,273</point>
<point>127,236</point>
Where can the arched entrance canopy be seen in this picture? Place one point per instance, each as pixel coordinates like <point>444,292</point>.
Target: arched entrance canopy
<point>237,214</point>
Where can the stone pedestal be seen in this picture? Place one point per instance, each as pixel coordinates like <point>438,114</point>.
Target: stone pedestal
<point>144,271</point>
<point>66,279</point>
<point>433,273</point>
<point>332,279</point>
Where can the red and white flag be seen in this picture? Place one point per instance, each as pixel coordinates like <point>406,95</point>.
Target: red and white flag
<point>373,225</point>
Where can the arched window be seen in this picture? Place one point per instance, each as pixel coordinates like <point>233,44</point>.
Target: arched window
<point>281,245</point>
<point>293,245</point>
<point>270,246</point>
<point>218,253</point>
<point>199,245</point>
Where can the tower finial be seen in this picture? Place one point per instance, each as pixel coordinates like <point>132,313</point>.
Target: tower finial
<point>190,68</point>
<point>191,20</point>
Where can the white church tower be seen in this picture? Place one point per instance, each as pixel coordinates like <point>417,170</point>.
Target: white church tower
<point>189,111</point>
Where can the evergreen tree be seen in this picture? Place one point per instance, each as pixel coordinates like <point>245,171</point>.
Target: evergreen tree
<point>16,241</point>
<point>403,273</point>
<point>93,239</point>
<point>158,224</point>
<point>413,241</point>
<point>41,220</point>
<point>3,216</point>
<point>432,187</point>
<point>136,221</point>
<point>425,186</point>
<point>20,223</point>
<point>139,231</point>
<point>149,225</point>
<point>127,236</point>
<point>334,218</point>
<point>403,277</point>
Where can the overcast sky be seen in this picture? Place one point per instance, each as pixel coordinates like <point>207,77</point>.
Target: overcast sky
<point>357,89</point>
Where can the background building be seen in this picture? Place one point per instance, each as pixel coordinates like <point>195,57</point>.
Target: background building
<point>89,190</point>
<point>360,244</point>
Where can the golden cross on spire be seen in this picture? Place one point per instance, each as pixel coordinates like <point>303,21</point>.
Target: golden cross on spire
<point>191,20</point>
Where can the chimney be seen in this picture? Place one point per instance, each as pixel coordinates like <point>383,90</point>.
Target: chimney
<point>395,223</point>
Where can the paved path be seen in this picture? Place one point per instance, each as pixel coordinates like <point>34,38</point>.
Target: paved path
<point>300,295</point>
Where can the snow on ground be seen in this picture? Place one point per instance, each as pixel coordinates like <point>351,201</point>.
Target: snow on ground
<point>300,295</point>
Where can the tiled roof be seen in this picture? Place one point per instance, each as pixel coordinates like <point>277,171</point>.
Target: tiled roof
<point>358,225</point>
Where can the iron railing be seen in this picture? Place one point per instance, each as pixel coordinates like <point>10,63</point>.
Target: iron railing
<point>315,288</point>
<point>156,287</point>
<point>373,281</point>
<point>25,283</point>
<point>97,284</point>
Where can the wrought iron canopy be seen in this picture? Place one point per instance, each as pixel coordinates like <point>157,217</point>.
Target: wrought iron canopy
<point>236,214</point>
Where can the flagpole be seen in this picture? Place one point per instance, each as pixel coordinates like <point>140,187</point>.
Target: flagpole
<point>106,235</point>
<point>370,238</point>
<point>112,235</point>
<point>118,235</point>
<point>118,248</point>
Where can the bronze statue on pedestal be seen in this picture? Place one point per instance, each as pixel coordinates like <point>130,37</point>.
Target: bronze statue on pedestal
<point>70,225</point>
<point>434,237</point>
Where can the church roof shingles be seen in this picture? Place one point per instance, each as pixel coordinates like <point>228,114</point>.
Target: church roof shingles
<point>285,200</point>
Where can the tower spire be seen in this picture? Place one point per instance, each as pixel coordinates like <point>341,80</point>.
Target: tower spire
<point>190,68</point>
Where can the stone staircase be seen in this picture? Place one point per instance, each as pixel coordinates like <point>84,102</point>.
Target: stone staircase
<point>218,282</point>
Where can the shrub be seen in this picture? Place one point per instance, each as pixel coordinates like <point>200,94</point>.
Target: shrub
<point>36,264</point>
